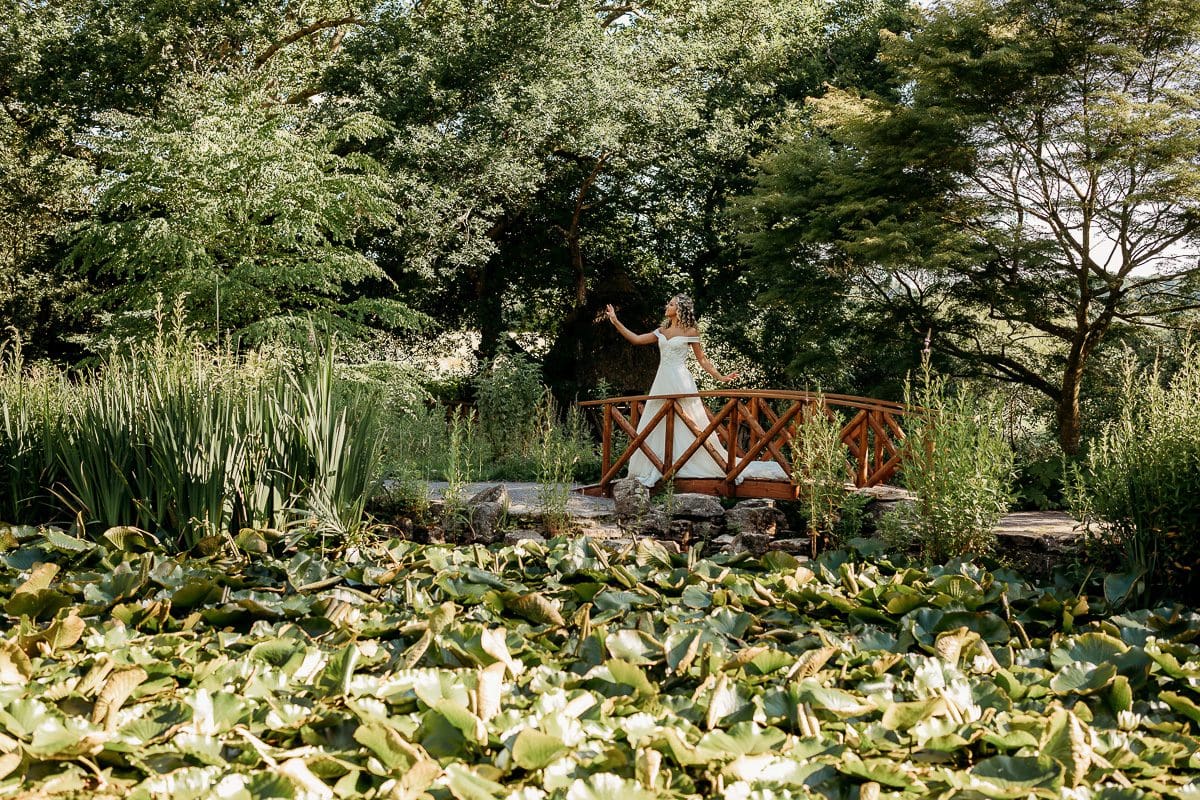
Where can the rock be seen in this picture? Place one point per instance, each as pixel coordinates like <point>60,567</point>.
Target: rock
<point>523,535</point>
<point>754,543</point>
<point>631,499</point>
<point>708,531</point>
<point>492,494</point>
<point>654,523</point>
<point>795,547</point>
<point>692,505</point>
<point>680,531</point>
<point>757,516</point>
<point>485,522</point>
<point>883,499</point>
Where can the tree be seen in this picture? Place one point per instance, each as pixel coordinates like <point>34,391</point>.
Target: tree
<point>240,204</point>
<point>1032,188</point>
<point>125,124</point>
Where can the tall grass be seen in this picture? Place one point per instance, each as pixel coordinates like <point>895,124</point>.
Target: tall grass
<point>189,444</point>
<point>1139,486</point>
<point>31,408</point>
<point>959,465</point>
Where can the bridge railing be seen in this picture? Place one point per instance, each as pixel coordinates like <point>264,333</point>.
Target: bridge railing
<point>749,425</point>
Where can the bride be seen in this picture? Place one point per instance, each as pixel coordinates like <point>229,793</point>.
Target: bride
<point>673,377</point>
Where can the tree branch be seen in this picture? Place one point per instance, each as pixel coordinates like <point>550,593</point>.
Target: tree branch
<point>301,33</point>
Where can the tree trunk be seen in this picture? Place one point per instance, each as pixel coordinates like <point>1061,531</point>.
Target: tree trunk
<point>1067,413</point>
<point>489,308</point>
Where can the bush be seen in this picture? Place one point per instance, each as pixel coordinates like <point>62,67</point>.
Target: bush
<point>508,390</point>
<point>820,470</point>
<point>958,464</point>
<point>1139,486</point>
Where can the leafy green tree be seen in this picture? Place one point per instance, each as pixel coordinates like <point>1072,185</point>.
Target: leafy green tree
<point>1031,190</point>
<point>85,84</point>
<point>243,205</point>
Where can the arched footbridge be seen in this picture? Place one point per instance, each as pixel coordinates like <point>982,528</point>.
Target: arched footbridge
<point>745,426</point>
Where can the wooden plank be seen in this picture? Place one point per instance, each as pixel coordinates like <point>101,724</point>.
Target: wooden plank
<point>637,442</point>
<point>849,433</point>
<point>701,438</point>
<point>753,452</point>
<point>863,453</point>
<point>774,490</point>
<point>669,440</point>
<point>606,439</point>
<point>731,445</point>
<point>751,487</point>
<point>889,468</point>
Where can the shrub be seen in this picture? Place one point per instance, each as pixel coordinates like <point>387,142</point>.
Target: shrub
<point>1139,486</point>
<point>958,464</point>
<point>557,457</point>
<point>508,390</point>
<point>820,470</point>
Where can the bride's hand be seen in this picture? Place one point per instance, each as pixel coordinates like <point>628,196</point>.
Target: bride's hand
<point>733,376</point>
<point>610,313</point>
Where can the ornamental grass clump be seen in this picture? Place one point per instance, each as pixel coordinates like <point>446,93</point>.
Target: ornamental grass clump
<point>1139,486</point>
<point>958,465</point>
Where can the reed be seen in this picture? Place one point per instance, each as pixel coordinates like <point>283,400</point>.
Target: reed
<point>187,443</point>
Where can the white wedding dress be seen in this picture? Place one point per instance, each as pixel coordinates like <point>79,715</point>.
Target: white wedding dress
<point>673,377</point>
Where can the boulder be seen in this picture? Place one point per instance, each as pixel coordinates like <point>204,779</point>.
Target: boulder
<point>801,548</point>
<point>746,542</point>
<point>631,499</point>
<point>695,506</point>
<point>486,522</point>
<point>492,494</point>
<point>883,499</point>
<point>757,516</point>
<point>681,531</point>
<point>523,535</point>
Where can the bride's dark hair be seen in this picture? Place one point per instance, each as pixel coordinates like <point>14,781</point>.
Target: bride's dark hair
<point>685,311</point>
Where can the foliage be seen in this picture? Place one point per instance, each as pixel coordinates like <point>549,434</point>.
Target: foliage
<point>32,403</point>
<point>248,209</point>
<point>959,467</point>
<point>558,455</point>
<point>568,670</point>
<point>1005,198</point>
<point>819,469</point>
<point>1138,486</point>
<point>187,444</point>
<point>508,390</point>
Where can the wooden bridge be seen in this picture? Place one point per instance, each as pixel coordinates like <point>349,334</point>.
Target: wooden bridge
<point>750,425</point>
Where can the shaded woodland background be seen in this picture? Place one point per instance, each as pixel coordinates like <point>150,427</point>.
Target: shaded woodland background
<point>836,182</point>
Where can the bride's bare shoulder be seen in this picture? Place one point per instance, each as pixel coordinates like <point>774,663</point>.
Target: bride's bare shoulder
<point>692,333</point>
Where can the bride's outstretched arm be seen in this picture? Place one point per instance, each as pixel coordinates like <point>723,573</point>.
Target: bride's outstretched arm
<point>702,358</point>
<point>636,338</point>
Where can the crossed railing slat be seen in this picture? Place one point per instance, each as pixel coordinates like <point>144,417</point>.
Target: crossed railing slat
<point>751,425</point>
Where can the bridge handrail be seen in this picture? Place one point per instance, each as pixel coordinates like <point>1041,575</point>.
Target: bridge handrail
<point>850,401</point>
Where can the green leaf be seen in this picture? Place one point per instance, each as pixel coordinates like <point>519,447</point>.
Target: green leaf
<point>631,675</point>
<point>465,784</point>
<point>535,608</point>
<point>533,749</point>
<point>1082,678</point>
<point>902,716</point>
<point>59,540</point>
